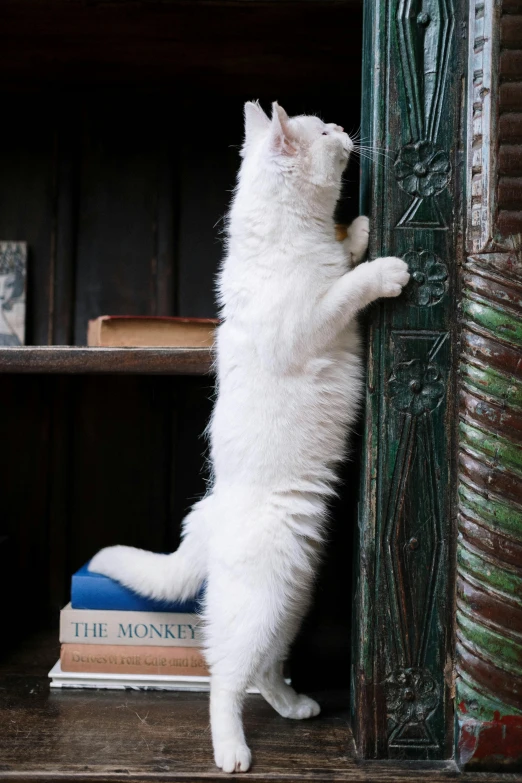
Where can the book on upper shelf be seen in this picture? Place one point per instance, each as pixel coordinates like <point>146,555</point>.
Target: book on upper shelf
<point>135,331</point>
<point>99,627</point>
<point>95,591</point>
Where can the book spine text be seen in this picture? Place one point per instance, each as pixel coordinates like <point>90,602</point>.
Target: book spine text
<point>97,626</point>
<point>115,659</point>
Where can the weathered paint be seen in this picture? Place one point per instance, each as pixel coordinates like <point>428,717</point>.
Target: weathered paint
<point>488,572</point>
<point>490,744</point>
<point>500,515</point>
<point>499,323</point>
<point>504,451</point>
<point>493,383</point>
<point>494,645</point>
<point>489,550</point>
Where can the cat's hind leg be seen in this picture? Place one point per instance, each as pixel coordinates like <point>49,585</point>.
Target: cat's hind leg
<point>282,697</point>
<point>231,752</point>
<point>243,619</point>
<point>233,654</point>
<point>270,680</point>
<point>239,634</point>
<point>255,600</point>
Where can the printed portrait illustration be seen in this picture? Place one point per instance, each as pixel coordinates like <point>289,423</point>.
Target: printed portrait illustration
<point>13,270</point>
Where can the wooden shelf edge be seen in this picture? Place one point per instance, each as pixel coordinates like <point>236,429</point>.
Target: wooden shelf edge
<point>106,361</point>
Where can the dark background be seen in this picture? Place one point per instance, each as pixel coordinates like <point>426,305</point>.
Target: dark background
<point>119,146</point>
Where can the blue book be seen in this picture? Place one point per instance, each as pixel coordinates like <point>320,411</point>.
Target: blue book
<point>95,591</point>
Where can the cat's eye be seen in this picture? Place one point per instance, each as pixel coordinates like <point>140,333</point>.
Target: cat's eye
<point>324,133</point>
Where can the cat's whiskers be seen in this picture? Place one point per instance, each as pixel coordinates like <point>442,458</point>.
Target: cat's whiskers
<point>376,155</point>
<point>371,148</point>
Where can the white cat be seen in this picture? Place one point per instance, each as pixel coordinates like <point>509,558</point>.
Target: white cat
<point>289,380</point>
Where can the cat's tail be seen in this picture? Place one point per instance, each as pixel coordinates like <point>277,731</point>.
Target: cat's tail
<point>174,577</point>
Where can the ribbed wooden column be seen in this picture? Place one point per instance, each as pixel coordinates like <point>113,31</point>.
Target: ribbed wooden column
<point>489,549</point>
<point>489,582</point>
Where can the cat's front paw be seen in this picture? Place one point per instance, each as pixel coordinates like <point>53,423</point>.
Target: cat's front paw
<point>232,756</point>
<point>391,275</point>
<point>358,238</point>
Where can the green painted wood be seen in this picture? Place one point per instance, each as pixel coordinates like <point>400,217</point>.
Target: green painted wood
<point>498,322</point>
<point>481,707</point>
<point>492,445</point>
<point>491,644</point>
<point>499,515</point>
<point>489,552</point>
<point>412,100</point>
<point>488,572</point>
<point>495,384</point>
<point>489,549</point>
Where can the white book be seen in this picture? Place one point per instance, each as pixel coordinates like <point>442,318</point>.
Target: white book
<point>159,629</point>
<point>138,682</point>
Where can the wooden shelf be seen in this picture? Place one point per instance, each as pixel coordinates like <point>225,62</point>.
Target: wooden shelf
<point>108,361</point>
<point>152,736</point>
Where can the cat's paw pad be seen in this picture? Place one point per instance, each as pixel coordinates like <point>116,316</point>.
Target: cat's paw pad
<point>304,707</point>
<point>392,274</point>
<point>358,237</point>
<point>108,561</point>
<point>232,756</point>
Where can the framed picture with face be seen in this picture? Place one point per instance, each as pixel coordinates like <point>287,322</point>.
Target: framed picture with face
<point>13,275</point>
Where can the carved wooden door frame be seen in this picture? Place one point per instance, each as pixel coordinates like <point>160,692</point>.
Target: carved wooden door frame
<point>438,625</point>
<point>414,72</point>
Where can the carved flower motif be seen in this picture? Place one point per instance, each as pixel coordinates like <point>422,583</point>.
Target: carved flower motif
<point>411,695</point>
<point>428,276</point>
<point>416,387</point>
<point>422,170</point>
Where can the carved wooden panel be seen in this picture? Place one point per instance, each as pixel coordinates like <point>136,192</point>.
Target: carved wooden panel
<point>489,550</point>
<point>402,706</point>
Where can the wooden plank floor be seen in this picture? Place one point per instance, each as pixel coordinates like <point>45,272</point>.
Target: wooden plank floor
<point>140,736</point>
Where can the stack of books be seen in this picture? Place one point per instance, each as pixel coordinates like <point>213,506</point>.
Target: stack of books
<point>113,638</point>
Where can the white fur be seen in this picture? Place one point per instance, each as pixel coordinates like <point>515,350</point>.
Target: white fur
<point>289,386</point>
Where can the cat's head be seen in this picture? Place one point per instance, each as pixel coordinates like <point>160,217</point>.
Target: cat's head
<point>302,149</point>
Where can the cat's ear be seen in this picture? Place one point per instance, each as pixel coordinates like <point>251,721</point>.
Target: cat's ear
<point>256,120</point>
<point>281,142</point>
<point>283,116</point>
